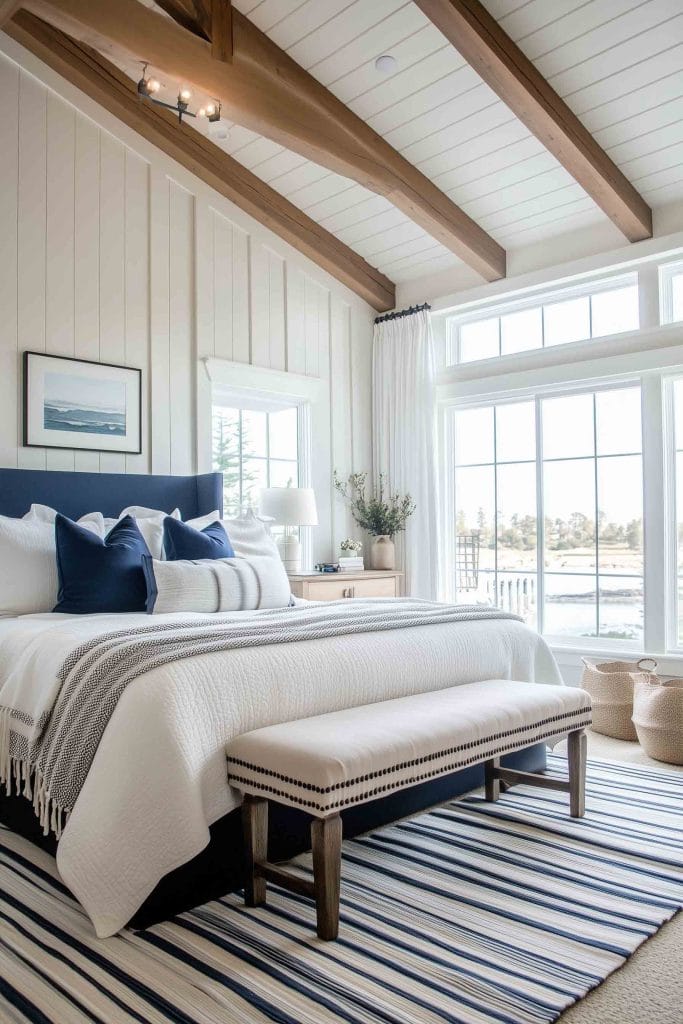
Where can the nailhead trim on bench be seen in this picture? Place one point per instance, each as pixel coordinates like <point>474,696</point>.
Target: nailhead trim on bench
<point>368,794</point>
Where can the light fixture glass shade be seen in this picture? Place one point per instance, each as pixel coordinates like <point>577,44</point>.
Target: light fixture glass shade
<point>289,506</point>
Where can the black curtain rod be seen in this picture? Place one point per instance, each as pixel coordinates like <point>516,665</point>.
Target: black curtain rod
<point>402,312</point>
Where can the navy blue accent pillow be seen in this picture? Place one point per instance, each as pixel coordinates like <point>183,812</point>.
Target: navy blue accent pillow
<point>98,575</point>
<point>182,541</point>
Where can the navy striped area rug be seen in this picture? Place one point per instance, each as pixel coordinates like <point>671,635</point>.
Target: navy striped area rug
<point>474,913</point>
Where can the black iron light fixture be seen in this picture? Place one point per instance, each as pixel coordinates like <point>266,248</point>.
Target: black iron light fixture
<point>149,87</point>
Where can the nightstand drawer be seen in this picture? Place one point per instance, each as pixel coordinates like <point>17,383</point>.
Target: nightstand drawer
<point>337,586</point>
<point>329,590</point>
<point>380,587</point>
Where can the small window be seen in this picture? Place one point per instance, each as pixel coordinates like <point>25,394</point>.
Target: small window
<point>614,311</point>
<point>521,331</point>
<point>671,292</point>
<point>567,321</point>
<point>254,449</point>
<point>480,340</point>
<point>677,296</point>
<point>573,314</point>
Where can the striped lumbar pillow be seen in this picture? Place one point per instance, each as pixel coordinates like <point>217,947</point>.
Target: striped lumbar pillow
<point>216,585</point>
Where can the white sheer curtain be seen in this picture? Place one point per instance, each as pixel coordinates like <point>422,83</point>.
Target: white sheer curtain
<point>404,438</point>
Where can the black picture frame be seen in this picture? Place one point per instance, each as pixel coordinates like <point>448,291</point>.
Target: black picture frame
<point>37,437</point>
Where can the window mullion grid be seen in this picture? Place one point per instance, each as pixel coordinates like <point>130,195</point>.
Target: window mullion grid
<point>240,461</point>
<point>448,525</point>
<point>267,449</point>
<point>659,514</point>
<point>495,497</point>
<point>543,345</point>
<point>540,521</point>
<point>304,474</point>
<point>597,515</point>
<point>557,295</point>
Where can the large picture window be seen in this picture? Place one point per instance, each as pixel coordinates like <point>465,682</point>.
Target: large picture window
<point>548,499</point>
<point>677,391</point>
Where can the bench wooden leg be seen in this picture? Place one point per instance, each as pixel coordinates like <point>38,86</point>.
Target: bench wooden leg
<point>499,779</point>
<point>491,780</point>
<point>326,837</point>
<point>576,757</point>
<point>255,828</point>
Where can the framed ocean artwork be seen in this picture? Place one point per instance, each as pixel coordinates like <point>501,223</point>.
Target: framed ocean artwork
<point>79,404</point>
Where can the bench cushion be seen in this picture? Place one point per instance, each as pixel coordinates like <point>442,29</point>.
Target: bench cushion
<point>332,761</point>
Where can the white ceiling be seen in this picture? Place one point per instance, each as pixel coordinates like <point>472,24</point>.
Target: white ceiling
<point>617,63</point>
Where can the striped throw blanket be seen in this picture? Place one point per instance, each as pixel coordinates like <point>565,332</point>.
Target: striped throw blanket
<point>49,733</point>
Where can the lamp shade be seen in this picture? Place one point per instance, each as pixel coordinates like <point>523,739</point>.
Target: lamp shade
<point>289,506</point>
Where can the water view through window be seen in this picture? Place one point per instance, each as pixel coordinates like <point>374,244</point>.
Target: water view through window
<point>548,509</point>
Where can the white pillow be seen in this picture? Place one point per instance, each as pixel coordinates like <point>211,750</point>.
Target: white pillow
<point>28,562</point>
<point>202,521</point>
<point>45,514</point>
<point>249,536</point>
<point>150,523</point>
<point>216,585</point>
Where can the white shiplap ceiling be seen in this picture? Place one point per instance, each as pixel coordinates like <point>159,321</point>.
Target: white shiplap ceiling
<point>617,63</point>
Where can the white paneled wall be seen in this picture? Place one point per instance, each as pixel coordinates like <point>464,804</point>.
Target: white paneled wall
<point>112,252</point>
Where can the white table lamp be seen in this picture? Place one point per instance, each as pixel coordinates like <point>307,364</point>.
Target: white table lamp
<point>289,507</point>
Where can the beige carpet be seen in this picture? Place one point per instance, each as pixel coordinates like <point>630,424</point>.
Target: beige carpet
<point>648,989</point>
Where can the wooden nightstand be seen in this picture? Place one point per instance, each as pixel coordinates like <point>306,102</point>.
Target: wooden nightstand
<point>331,586</point>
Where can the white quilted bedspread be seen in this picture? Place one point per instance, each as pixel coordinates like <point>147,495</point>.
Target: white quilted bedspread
<point>158,779</point>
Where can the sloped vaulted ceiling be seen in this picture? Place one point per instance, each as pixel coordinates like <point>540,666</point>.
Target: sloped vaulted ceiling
<point>615,63</point>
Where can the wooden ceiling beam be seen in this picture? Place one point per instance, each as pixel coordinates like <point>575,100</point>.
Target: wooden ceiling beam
<point>94,75</point>
<point>7,9</point>
<point>221,29</point>
<point>211,19</point>
<point>502,65</point>
<point>185,14</point>
<point>265,90</point>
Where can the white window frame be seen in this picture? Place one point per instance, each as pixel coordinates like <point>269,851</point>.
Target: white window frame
<point>670,560</point>
<point>537,300</point>
<point>559,391</point>
<point>667,272</point>
<point>239,402</point>
<point>241,386</point>
<point>655,365</point>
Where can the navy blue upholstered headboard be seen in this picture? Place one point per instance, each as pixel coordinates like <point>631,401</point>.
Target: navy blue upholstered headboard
<point>74,494</point>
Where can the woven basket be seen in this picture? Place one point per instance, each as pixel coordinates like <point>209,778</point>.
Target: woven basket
<point>610,684</point>
<point>658,717</point>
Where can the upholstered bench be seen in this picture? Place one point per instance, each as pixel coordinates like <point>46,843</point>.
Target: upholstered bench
<point>326,763</point>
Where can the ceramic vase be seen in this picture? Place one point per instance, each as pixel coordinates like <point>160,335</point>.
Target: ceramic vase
<point>383,553</point>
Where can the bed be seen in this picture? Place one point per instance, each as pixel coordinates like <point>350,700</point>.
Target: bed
<point>156,829</point>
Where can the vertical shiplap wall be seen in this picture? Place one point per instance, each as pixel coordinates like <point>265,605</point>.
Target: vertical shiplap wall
<point>111,252</point>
